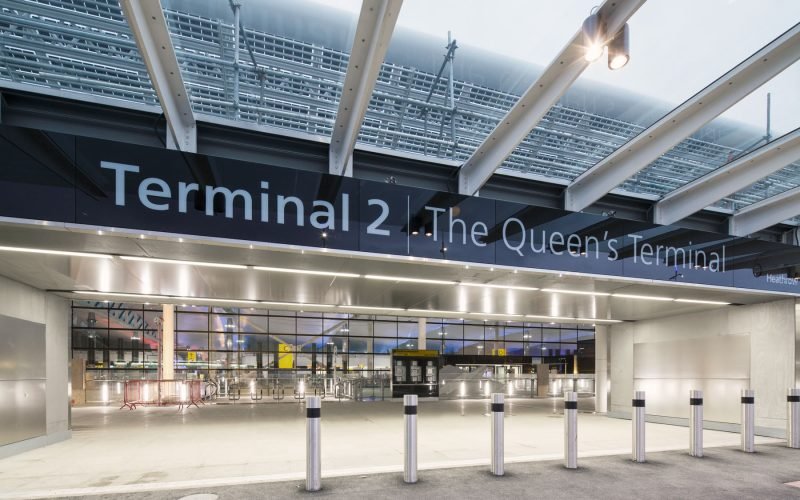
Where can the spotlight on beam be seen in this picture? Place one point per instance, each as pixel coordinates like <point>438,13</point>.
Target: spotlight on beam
<point>619,52</point>
<point>593,37</point>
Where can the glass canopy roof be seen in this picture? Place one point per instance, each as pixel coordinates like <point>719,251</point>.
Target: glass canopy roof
<point>293,57</point>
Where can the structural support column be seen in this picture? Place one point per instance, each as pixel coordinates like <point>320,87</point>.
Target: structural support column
<point>422,334</point>
<point>601,369</point>
<point>149,27</point>
<point>168,342</point>
<point>373,32</point>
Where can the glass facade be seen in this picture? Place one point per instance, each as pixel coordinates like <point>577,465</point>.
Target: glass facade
<point>244,342</point>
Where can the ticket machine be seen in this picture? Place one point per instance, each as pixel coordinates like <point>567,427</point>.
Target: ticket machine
<point>415,372</point>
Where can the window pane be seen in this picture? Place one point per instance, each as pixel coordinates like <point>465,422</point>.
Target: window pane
<point>383,345</point>
<point>453,347</point>
<point>282,325</point>
<point>187,321</point>
<point>473,332</point>
<point>90,318</point>
<point>360,328</point>
<point>253,324</point>
<point>550,335</point>
<point>514,349</point>
<point>224,323</point>
<point>191,341</point>
<point>569,335</point>
<point>407,330</point>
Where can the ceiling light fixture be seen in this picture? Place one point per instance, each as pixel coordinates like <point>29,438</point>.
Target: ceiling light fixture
<point>409,280</point>
<point>642,297</point>
<point>182,262</point>
<point>165,297</point>
<point>45,251</point>
<point>306,271</point>
<point>435,311</point>
<point>507,287</point>
<point>697,301</point>
<point>593,37</point>
<point>574,292</point>
<point>619,52</point>
<point>371,308</point>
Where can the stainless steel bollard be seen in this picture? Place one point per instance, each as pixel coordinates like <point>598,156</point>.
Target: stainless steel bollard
<point>793,419</point>
<point>748,420</point>
<point>313,445</point>
<point>637,453</point>
<point>498,412</point>
<point>410,416</point>
<point>696,423</point>
<point>571,430</point>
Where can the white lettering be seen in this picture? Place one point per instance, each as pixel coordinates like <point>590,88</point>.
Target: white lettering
<point>463,228</point>
<point>145,192</point>
<point>475,232</point>
<point>119,179</point>
<point>229,195</point>
<point>505,235</point>
<point>435,217</point>
<point>328,213</point>
<point>183,194</point>
<point>298,207</point>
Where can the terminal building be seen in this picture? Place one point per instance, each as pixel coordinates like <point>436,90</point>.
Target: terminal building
<point>244,203</point>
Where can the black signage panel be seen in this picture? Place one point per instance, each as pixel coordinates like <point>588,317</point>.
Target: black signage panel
<point>58,177</point>
<point>38,176</point>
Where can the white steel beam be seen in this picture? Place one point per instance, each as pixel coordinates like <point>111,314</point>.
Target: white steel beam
<point>683,121</point>
<point>728,179</point>
<point>149,27</point>
<point>374,31</point>
<point>765,213</point>
<point>545,92</point>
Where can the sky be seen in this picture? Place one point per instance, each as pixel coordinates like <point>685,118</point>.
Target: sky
<point>677,46</point>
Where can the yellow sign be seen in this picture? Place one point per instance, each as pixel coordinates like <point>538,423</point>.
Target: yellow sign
<point>498,352</point>
<point>285,356</point>
<point>412,353</point>
<point>191,357</point>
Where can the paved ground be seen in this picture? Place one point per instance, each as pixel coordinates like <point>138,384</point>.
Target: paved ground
<point>722,473</point>
<point>151,449</point>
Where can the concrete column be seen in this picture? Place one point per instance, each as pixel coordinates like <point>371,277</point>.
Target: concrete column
<point>168,343</point>
<point>422,333</point>
<point>601,369</point>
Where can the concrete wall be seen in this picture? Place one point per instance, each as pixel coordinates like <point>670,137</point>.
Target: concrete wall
<point>720,351</point>
<point>24,302</point>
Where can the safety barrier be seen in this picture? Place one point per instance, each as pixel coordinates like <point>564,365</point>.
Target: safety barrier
<point>498,438</point>
<point>313,444</point>
<point>410,438</point>
<point>497,458</point>
<point>162,393</point>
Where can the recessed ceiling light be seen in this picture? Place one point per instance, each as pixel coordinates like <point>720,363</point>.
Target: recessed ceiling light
<point>642,297</point>
<point>45,251</point>
<point>696,301</point>
<point>574,292</point>
<point>507,287</point>
<point>409,280</point>
<point>371,308</point>
<point>306,271</point>
<point>183,262</point>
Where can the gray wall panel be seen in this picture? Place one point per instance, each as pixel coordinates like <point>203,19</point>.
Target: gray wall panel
<point>22,349</point>
<point>721,356</point>
<point>23,395</point>
<point>22,410</point>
